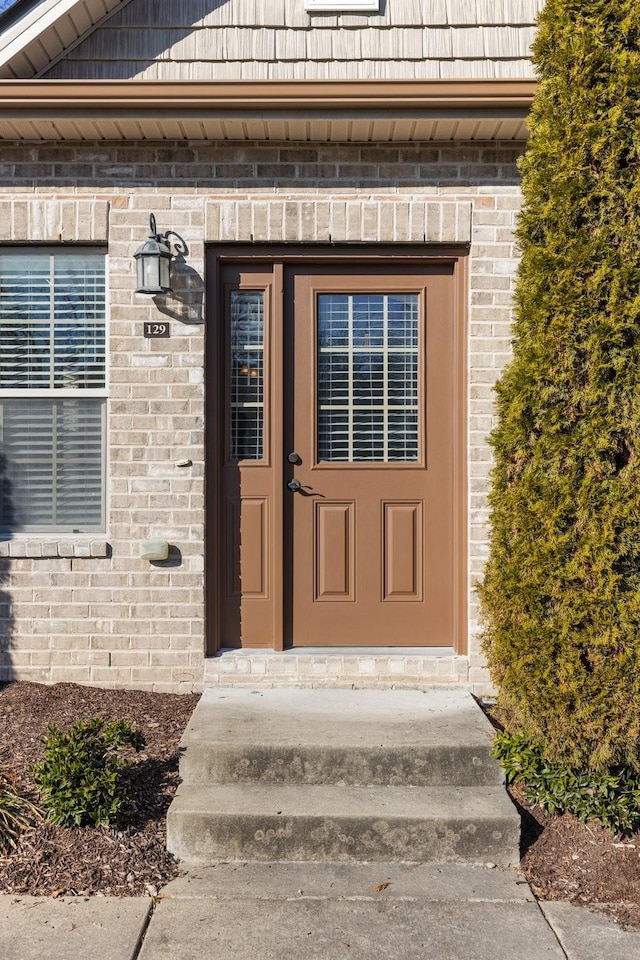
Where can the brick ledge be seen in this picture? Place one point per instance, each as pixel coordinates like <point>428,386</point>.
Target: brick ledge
<point>37,548</point>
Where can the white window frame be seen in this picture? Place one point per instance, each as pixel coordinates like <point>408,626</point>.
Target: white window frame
<point>342,6</point>
<point>53,393</point>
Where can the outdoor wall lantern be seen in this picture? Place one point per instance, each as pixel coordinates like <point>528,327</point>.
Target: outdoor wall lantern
<point>152,262</point>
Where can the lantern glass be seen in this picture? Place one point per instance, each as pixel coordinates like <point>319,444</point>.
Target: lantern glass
<point>147,274</point>
<point>152,266</point>
<point>163,263</point>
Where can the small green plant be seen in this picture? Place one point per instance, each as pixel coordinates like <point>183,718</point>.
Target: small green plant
<point>79,778</point>
<point>16,814</point>
<point>613,797</point>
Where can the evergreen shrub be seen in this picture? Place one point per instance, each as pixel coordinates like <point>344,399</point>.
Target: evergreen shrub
<point>79,778</point>
<point>561,596</point>
<point>612,797</point>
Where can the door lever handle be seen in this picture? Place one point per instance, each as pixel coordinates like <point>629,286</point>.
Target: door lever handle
<point>296,487</point>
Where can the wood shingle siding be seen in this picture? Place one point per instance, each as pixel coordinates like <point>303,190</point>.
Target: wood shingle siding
<point>253,40</point>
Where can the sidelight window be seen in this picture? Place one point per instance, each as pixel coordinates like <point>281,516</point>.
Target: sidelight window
<point>247,375</point>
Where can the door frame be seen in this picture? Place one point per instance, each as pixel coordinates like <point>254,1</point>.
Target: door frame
<point>277,256</point>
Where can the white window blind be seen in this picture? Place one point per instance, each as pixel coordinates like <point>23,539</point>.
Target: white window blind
<point>52,390</point>
<point>368,377</point>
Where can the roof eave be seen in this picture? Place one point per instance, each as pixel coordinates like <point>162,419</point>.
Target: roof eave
<point>41,103</point>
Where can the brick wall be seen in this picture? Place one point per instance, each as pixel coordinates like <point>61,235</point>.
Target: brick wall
<point>89,609</point>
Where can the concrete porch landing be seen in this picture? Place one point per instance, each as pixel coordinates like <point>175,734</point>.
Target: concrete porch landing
<point>340,775</point>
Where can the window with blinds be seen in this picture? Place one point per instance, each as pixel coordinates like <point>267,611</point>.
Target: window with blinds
<point>368,377</point>
<point>52,390</point>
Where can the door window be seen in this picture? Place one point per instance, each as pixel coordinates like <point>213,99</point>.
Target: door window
<point>368,402</point>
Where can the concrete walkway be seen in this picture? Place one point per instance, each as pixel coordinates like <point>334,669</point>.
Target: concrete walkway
<point>321,911</point>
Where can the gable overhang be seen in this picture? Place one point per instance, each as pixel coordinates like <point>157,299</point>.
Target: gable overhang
<point>302,110</point>
<point>35,33</point>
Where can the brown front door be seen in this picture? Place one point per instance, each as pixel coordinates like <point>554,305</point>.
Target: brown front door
<point>338,476</point>
<point>372,419</point>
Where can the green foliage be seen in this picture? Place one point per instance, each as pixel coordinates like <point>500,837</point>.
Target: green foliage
<point>613,797</point>
<point>561,596</point>
<point>16,814</point>
<point>79,776</point>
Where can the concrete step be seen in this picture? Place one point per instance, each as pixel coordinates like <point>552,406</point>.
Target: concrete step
<point>415,764</point>
<point>328,880</point>
<point>270,822</point>
<point>375,737</point>
<point>345,775</point>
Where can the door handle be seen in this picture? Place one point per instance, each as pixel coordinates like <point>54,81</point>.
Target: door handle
<point>304,489</point>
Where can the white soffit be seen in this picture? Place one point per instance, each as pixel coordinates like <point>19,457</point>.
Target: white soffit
<point>45,31</point>
<point>299,110</point>
<point>364,111</point>
<point>296,130</point>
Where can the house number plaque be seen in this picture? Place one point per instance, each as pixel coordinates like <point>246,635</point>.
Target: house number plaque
<point>156,329</point>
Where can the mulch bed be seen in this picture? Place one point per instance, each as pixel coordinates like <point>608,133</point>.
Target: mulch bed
<point>131,860</point>
<point>565,859</point>
<point>582,863</point>
<point>562,858</point>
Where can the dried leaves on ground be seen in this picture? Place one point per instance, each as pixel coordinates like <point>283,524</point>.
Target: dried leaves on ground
<point>125,860</point>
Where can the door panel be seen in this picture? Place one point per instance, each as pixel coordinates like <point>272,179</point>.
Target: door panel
<point>254,530</point>
<point>372,423</point>
<point>334,543</point>
<point>337,454</point>
<point>402,551</point>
